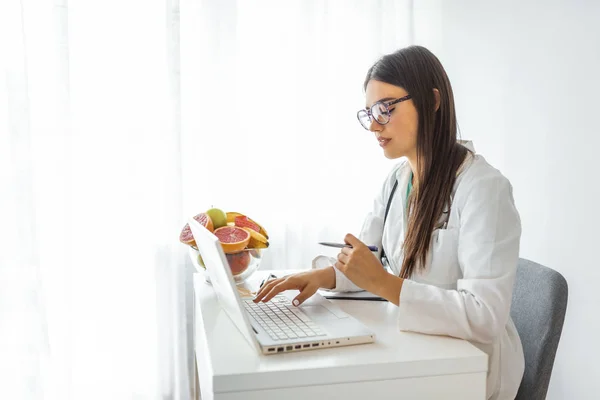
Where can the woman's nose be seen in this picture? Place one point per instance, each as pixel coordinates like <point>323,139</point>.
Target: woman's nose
<point>375,126</point>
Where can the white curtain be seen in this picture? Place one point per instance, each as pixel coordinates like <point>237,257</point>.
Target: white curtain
<point>119,120</point>
<point>270,91</point>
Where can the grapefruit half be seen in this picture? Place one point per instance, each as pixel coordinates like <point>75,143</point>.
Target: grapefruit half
<point>232,238</point>
<point>186,236</point>
<point>244,222</point>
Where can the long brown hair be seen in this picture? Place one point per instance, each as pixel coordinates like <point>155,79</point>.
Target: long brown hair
<point>439,155</point>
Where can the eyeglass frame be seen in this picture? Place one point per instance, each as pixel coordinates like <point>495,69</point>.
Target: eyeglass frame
<point>387,112</point>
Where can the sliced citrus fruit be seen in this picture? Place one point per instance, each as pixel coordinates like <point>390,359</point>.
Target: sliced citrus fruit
<point>244,222</point>
<point>186,236</point>
<point>232,238</point>
<point>231,216</point>
<point>239,262</point>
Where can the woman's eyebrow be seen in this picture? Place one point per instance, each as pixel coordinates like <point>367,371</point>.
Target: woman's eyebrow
<point>383,99</point>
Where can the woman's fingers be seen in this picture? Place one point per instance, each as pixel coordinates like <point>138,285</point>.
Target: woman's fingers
<point>343,258</point>
<point>353,241</point>
<point>340,267</point>
<point>301,281</point>
<point>278,288</point>
<point>346,250</point>
<point>266,288</point>
<point>304,295</point>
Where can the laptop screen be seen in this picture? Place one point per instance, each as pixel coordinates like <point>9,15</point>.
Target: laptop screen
<point>222,279</point>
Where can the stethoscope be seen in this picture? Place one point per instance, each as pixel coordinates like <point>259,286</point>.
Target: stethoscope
<point>444,225</point>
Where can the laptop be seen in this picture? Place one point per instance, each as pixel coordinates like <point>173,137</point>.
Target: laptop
<point>277,326</point>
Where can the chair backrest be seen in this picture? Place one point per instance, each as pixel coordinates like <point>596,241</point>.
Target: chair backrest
<point>538,311</point>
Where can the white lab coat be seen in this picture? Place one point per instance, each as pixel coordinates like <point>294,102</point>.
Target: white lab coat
<point>466,289</point>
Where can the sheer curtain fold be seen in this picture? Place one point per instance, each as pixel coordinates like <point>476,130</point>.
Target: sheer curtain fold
<point>92,199</point>
<point>270,91</point>
<point>120,119</point>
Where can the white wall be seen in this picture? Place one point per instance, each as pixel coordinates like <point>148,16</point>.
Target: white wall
<point>526,78</point>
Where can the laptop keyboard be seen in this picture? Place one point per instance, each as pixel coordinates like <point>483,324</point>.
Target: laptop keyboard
<point>282,320</point>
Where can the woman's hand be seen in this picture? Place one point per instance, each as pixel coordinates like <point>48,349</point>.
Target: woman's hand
<point>361,266</point>
<point>306,282</point>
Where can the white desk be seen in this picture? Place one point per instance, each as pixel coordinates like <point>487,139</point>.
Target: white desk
<point>399,365</point>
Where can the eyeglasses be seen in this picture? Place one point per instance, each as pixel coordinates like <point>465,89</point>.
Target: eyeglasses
<point>379,112</point>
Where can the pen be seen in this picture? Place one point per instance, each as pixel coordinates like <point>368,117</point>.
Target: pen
<point>266,279</point>
<point>340,245</point>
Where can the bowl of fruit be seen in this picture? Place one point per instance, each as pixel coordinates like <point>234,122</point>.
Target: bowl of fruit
<point>243,241</point>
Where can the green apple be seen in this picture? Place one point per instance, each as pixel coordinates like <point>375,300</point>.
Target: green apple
<point>218,217</point>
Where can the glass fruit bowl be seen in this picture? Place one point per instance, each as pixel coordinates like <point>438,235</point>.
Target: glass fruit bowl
<point>242,264</point>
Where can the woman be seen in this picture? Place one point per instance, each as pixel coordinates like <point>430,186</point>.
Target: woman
<point>445,222</point>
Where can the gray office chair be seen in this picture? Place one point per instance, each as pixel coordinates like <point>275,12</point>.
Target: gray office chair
<point>538,310</point>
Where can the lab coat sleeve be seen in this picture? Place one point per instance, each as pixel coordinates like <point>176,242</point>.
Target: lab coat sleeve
<point>488,251</point>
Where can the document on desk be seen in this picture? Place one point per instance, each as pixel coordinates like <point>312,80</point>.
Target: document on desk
<point>363,295</point>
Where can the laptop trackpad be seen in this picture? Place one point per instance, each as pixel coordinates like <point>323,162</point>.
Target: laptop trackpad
<point>318,313</point>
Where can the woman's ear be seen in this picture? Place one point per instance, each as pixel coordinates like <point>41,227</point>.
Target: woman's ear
<point>436,95</point>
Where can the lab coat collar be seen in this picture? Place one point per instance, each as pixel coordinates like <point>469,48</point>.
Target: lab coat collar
<point>468,144</point>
